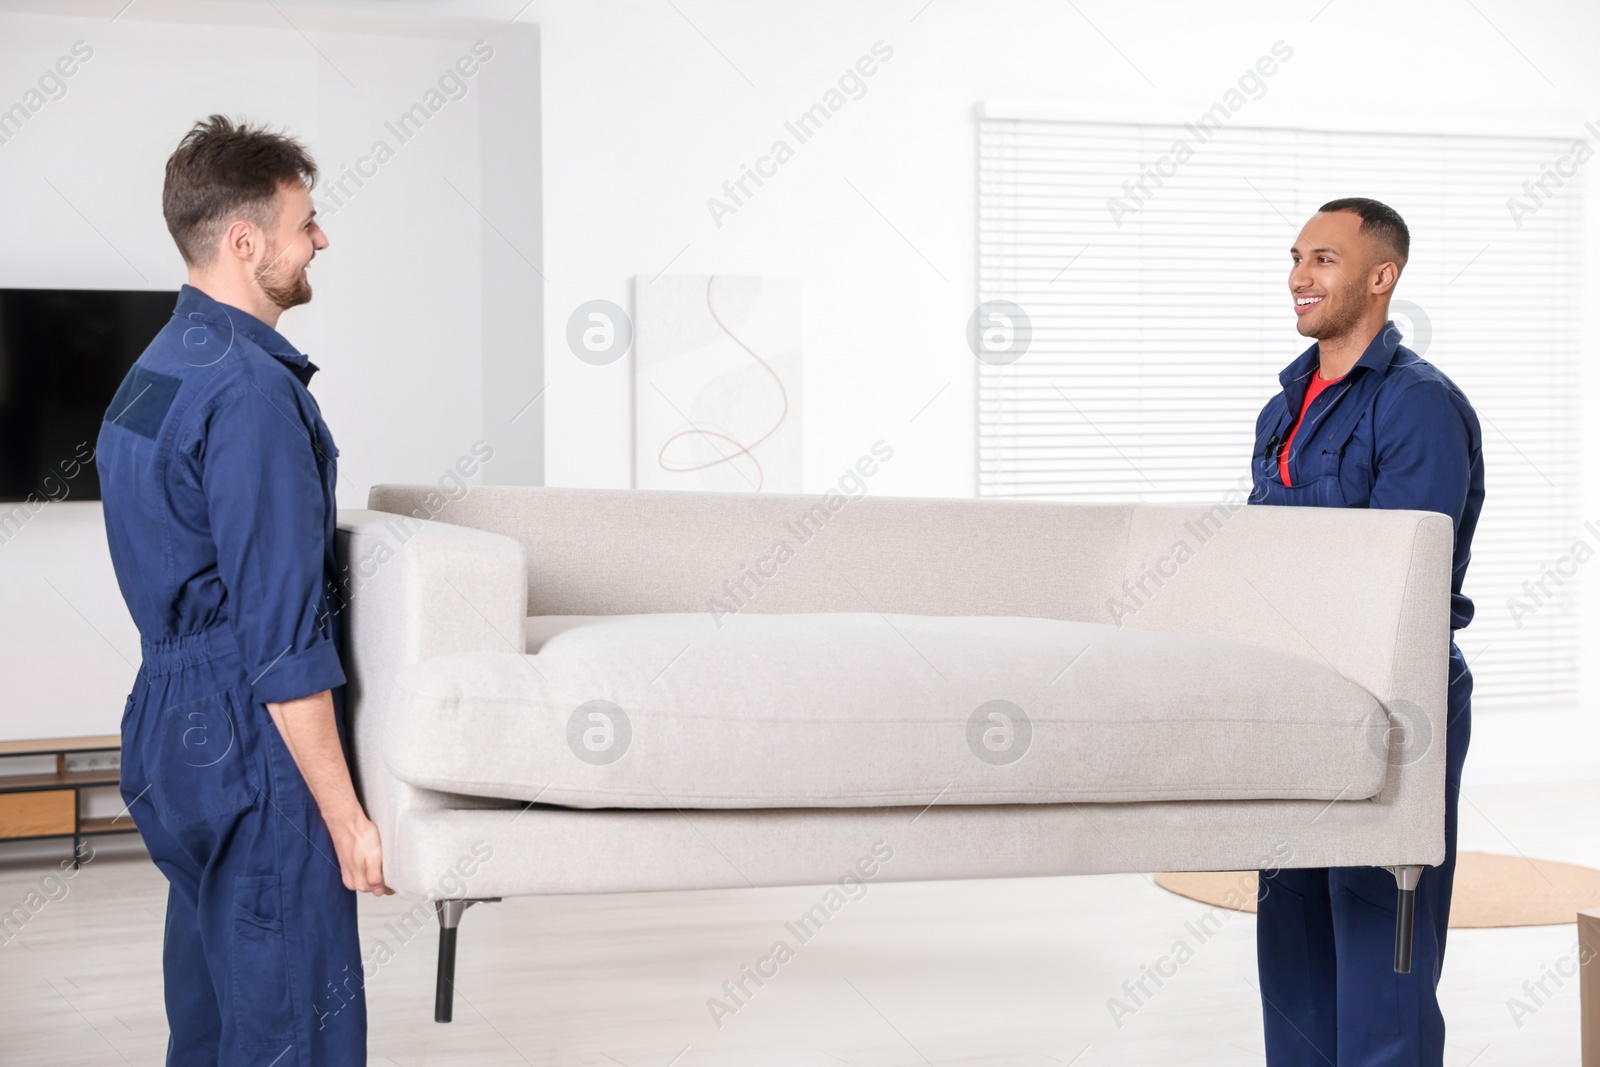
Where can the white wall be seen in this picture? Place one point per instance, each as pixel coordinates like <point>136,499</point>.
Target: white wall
<point>68,649</point>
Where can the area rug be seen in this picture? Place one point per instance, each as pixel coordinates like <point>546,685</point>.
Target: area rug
<point>1490,890</point>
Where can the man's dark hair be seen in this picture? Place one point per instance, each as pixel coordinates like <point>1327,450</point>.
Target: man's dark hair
<point>224,170</point>
<point>1379,220</point>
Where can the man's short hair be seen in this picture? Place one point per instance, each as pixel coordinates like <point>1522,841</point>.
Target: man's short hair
<point>1380,221</point>
<point>222,171</point>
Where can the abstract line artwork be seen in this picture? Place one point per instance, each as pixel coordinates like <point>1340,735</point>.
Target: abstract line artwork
<point>717,383</point>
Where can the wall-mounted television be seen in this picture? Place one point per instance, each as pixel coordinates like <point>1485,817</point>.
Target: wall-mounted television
<point>63,352</point>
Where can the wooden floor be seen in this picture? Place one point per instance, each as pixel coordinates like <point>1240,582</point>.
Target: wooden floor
<point>1006,972</point>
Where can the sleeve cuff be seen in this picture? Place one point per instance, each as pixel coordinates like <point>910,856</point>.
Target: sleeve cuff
<point>298,674</point>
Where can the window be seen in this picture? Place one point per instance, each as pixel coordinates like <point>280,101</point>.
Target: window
<point>1153,285</point>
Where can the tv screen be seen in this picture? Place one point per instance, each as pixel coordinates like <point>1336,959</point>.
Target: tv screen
<point>63,352</point>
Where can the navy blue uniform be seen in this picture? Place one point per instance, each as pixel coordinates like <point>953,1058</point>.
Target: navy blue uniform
<point>1395,433</point>
<point>217,475</point>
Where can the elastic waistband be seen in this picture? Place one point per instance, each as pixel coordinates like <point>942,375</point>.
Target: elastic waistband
<point>187,650</point>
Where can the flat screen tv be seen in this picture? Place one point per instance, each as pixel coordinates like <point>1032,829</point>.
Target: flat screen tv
<point>63,352</point>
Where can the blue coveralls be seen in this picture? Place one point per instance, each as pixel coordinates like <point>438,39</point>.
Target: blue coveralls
<point>1395,433</point>
<point>217,475</point>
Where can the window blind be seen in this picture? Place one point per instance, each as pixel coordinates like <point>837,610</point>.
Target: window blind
<point>1155,290</point>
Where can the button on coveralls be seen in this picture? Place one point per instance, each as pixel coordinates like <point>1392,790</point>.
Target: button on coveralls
<point>1396,433</point>
<point>217,476</point>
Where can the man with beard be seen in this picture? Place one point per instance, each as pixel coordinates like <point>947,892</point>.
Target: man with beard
<point>1363,421</point>
<point>217,475</point>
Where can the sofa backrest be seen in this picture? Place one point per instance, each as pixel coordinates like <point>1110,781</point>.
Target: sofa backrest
<point>1350,588</point>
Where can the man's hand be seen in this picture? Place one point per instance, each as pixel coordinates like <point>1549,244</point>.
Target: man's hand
<point>309,732</point>
<point>360,855</point>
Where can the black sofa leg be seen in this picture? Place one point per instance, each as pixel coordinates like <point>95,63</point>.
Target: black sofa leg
<point>449,912</point>
<point>1405,880</point>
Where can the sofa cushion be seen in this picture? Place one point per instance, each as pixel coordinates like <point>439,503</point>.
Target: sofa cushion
<point>852,710</point>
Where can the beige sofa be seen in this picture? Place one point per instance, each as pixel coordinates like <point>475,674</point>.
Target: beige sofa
<point>581,691</point>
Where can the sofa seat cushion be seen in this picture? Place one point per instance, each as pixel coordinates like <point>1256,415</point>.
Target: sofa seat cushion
<point>867,710</point>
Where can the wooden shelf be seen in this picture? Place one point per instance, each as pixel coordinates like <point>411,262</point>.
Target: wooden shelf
<point>25,783</point>
<point>51,745</point>
<point>34,806</point>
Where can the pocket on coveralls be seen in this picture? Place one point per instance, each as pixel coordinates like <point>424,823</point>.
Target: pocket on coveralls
<point>263,1010</point>
<point>1349,463</point>
<point>203,769</point>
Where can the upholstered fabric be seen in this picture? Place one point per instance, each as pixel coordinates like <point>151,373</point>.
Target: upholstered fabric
<point>866,710</point>
<point>567,850</point>
<point>429,576</point>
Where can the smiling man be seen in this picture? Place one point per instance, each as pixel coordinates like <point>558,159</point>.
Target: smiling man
<point>217,475</point>
<point>1362,421</point>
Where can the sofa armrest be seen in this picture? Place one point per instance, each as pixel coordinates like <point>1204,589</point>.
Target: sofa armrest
<point>1363,592</point>
<point>412,589</point>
